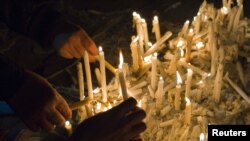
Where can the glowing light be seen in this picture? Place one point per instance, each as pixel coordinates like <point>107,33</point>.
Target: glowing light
<point>98,106</point>
<point>180,44</point>
<point>67,123</point>
<point>224,10</point>
<point>139,104</point>
<point>178,77</point>
<point>121,59</point>
<point>187,100</point>
<point>202,137</point>
<point>147,58</point>
<point>200,45</point>
<point>100,49</point>
<point>96,90</point>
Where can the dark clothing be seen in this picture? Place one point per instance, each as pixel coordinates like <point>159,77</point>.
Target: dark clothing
<point>38,20</point>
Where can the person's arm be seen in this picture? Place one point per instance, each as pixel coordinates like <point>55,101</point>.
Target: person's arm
<point>42,22</point>
<point>32,97</point>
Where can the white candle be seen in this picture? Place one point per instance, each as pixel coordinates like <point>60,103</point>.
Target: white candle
<point>177,100</point>
<point>98,76</point>
<point>145,33</point>
<point>187,117</point>
<point>218,79</point>
<point>80,80</point>
<point>185,28</point>
<point>188,82</point>
<point>103,75</point>
<point>158,44</point>
<point>197,25</point>
<point>183,63</point>
<point>122,79</point>
<point>189,44</point>
<point>156,28</point>
<point>88,75</point>
<point>159,93</point>
<point>68,127</point>
<point>134,53</point>
<point>154,71</point>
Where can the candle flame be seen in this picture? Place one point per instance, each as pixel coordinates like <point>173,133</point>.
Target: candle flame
<point>67,123</point>
<point>98,106</point>
<point>155,18</point>
<point>182,52</point>
<point>147,58</point>
<point>201,82</point>
<point>187,22</point>
<point>121,59</point>
<point>139,104</point>
<point>178,76</point>
<point>109,106</point>
<point>100,49</point>
<point>155,55</point>
<point>190,71</point>
<point>202,137</point>
<point>187,100</point>
<point>180,44</point>
<point>200,45</point>
<point>161,78</point>
<point>96,90</point>
<point>191,31</point>
<point>224,10</point>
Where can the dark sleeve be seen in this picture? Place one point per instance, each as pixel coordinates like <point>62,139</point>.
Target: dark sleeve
<point>12,77</point>
<point>39,20</point>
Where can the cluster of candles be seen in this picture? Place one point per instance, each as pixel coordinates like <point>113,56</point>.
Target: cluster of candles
<point>200,34</point>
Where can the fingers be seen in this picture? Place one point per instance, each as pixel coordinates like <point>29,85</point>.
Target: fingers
<point>56,118</point>
<point>135,130</point>
<point>125,107</point>
<point>134,118</point>
<point>46,125</point>
<point>75,46</point>
<point>63,107</point>
<point>88,43</point>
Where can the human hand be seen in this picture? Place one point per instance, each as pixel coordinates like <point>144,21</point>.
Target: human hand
<point>39,105</point>
<point>121,123</point>
<point>76,44</point>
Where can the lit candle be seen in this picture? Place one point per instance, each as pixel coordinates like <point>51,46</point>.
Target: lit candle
<point>88,75</point>
<point>187,117</point>
<point>197,25</point>
<point>80,80</point>
<point>156,28</point>
<point>188,82</point>
<point>103,75</point>
<point>189,44</point>
<point>122,79</point>
<point>68,127</point>
<point>145,33</point>
<point>177,100</point>
<point>134,52</point>
<point>154,71</point>
<point>202,137</point>
<point>159,93</point>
